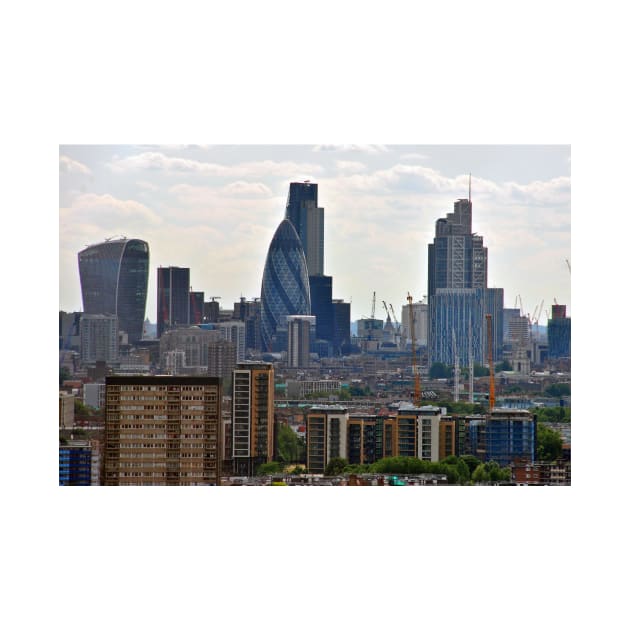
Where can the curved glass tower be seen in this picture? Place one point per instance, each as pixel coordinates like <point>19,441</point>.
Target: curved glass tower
<point>285,288</point>
<point>114,278</point>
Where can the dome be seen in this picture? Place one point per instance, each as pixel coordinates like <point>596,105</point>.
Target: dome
<point>285,288</point>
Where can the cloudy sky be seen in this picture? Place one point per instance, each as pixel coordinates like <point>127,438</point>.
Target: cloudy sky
<point>215,209</point>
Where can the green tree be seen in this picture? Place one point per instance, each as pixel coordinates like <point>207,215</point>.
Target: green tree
<point>549,444</point>
<point>270,468</point>
<point>472,462</point>
<point>481,370</point>
<point>335,466</point>
<point>290,445</point>
<point>557,390</point>
<point>298,470</point>
<point>481,474</point>
<point>440,370</point>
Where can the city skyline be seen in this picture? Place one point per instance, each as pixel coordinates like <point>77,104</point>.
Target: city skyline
<point>215,209</point>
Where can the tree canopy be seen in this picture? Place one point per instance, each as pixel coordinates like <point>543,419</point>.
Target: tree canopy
<point>557,390</point>
<point>336,466</point>
<point>549,444</point>
<point>291,446</point>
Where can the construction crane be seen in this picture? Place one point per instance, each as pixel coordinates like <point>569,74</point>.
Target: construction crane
<point>490,363</point>
<point>456,368</point>
<point>386,309</point>
<point>417,396</point>
<point>568,264</point>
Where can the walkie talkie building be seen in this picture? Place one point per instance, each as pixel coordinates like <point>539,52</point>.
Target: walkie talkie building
<point>285,286</point>
<point>114,278</point>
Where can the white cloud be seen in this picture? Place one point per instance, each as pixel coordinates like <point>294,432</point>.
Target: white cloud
<point>350,167</point>
<point>157,161</point>
<point>352,148</point>
<point>68,165</point>
<point>247,189</point>
<point>413,157</point>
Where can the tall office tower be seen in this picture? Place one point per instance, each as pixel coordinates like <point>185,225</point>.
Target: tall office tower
<point>221,358</point>
<point>308,221</point>
<point>249,312</point>
<point>195,304</point>
<point>285,286</point>
<point>326,436</point>
<point>210,312</point>
<point>234,331</point>
<point>515,327</point>
<point>173,286</point>
<point>341,325</point>
<point>457,257</point>
<point>559,332</point>
<point>252,416</point>
<point>99,339</point>
<point>162,430</point>
<point>457,281</point>
<point>114,278</point>
<point>299,329</point>
<point>420,319</point>
<point>322,306</point>
<point>452,310</point>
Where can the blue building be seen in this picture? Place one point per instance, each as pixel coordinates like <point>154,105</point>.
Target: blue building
<point>285,284</point>
<point>114,278</point>
<point>559,332</point>
<point>504,436</point>
<point>75,464</point>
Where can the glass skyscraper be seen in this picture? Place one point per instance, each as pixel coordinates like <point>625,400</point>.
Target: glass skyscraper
<point>173,301</point>
<point>114,277</point>
<point>285,285</point>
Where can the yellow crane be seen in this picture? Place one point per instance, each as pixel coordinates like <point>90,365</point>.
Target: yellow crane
<point>417,396</point>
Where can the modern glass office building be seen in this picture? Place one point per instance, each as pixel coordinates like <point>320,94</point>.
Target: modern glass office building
<point>285,285</point>
<point>114,278</point>
<point>173,300</point>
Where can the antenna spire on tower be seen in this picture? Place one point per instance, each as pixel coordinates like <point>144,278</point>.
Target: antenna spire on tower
<point>469,187</point>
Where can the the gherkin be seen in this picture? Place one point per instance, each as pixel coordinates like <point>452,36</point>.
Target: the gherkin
<point>285,287</point>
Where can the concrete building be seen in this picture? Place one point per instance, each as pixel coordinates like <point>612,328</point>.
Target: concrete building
<point>221,358</point>
<point>66,410</point>
<point>298,390</point>
<point>99,339</point>
<point>300,329</point>
<point>252,416</point>
<point>193,341</point>
<point>235,332</point>
<point>94,395</point>
<point>421,320</point>
<point>162,430</point>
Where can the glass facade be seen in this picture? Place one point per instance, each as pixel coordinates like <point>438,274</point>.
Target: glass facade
<point>173,284</point>
<point>114,278</point>
<point>285,285</point>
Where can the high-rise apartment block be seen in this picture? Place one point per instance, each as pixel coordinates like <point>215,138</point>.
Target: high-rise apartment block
<point>234,331</point>
<point>419,312</point>
<point>300,331</point>
<point>173,301</point>
<point>99,339</point>
<point>252,416</point>
<point>162,430</point>
<point>114,279</point>
<point>221,358</point>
